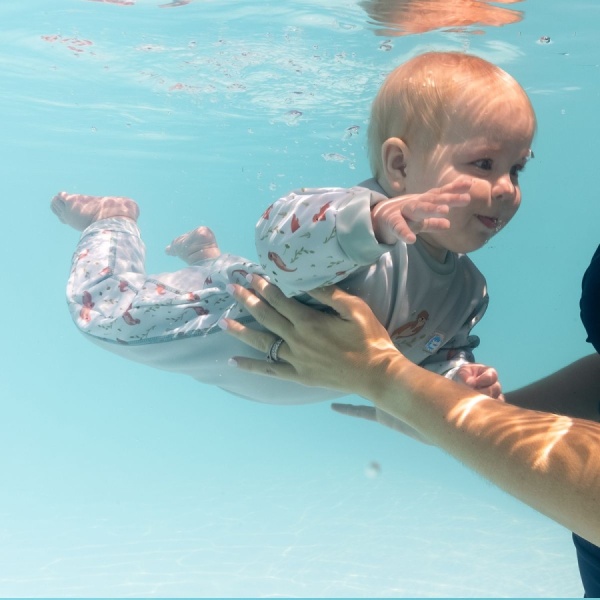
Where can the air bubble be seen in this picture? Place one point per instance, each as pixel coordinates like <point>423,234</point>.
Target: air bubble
<point>335,157</point>
<point>373,470</point>
<point>292,117</point>
<point>351,131</point>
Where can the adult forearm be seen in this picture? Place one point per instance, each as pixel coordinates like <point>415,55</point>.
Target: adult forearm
<point>548,461</point>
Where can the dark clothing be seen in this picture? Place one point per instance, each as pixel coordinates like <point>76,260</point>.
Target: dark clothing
<point>590,301</point>
<point>588,555</point>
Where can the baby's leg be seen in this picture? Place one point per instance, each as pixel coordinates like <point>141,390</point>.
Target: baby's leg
<point>195,246</point>
<point>80,211</point>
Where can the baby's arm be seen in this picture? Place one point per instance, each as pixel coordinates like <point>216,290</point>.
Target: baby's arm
<point>455,360</point>
<point>313,237</point>
<point>401,218</point>
<point>316,237</point>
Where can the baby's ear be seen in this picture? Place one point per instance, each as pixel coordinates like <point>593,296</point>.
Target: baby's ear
<point>394,158</point>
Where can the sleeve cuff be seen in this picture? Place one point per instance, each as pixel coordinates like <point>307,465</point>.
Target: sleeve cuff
<point>355,228</point>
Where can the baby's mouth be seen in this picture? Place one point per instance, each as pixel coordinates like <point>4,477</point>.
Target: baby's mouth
<point>490,222</point>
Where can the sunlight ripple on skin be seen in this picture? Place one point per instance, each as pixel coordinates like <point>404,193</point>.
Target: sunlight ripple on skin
<point>555,434</point>
<point>464,408</point>
<point>552,430</point>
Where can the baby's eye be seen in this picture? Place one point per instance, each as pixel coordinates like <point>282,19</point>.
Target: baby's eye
<point>514,172</point>
<point>484,163</point>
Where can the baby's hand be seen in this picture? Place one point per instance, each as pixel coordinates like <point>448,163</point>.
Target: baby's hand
<point>80,211</point>
<point>195,246</point>
<point>481,378</point>
<point>401,218</point>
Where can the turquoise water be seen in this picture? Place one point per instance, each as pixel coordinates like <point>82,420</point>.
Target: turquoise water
<point>118,480</point>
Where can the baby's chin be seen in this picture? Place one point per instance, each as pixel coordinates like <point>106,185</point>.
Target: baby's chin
<point>439,248</point>
<point>467,247</point>
<point>438,245</point>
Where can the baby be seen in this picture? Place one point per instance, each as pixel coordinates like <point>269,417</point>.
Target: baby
<point>448,136</point>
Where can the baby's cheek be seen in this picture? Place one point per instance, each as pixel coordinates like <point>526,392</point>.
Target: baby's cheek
<point>481,189</point>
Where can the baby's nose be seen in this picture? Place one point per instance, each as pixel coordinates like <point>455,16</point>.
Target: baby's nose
<point>503,188</point>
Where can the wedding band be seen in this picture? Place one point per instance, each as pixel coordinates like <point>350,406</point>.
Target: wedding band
<point>273,353</point>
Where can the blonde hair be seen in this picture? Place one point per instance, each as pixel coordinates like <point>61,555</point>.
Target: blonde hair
<point>418,99</point>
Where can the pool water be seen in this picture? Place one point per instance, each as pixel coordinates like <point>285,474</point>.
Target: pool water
<point>119,480</point>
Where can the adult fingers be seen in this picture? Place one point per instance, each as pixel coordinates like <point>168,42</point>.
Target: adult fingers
<point>279,313</point>
<point>268,312</point>
<point>346,306</point>
<point>261,340</point>
<point>280,370</point>
<point>256,338</point>
<point>356,410</point>
<point>278,303</point>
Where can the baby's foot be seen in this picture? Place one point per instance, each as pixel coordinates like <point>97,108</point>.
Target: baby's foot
<point>195,246</point>
<point>80,211</point>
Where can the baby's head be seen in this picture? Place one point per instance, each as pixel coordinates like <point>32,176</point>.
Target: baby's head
<point>446,116</point>
<point>423,96</point>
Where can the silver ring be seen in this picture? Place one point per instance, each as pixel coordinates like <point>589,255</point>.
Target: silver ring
<point>273,353</point>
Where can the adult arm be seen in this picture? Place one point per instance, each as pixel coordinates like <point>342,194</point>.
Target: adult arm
<point>549,461</point>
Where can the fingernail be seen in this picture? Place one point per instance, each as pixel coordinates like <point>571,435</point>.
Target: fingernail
<point>222,323</point>
<point>229,288</point>
<point>249,277</point>
<point>232,362</point>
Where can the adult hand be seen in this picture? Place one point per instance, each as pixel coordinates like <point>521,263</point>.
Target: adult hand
<point>347,351</point>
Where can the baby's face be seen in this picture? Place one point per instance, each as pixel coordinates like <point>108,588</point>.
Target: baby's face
<point>491,145</point>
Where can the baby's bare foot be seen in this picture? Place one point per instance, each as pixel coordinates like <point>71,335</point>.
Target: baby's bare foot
<point>195,246</point>
<point>80,211</point>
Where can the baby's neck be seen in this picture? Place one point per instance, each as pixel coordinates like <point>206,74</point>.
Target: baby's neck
<point>373,185</point>
<point>438,254</point>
